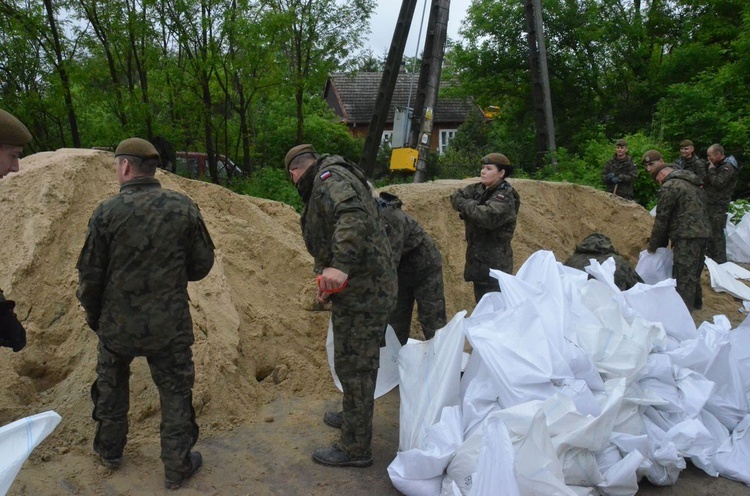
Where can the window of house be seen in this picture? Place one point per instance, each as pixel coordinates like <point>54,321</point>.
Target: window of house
<point>387,137</point>
<point>446,135</point>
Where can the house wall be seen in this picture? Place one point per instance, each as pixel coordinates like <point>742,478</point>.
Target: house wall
<point>360,131</point>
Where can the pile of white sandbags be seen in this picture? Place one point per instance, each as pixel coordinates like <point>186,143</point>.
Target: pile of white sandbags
<point>573,387</point>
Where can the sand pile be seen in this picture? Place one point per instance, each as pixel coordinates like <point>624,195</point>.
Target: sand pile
<point>256,338</point>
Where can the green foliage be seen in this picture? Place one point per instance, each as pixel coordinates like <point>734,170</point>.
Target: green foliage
<point>269,183</point>
<point>738,209</point>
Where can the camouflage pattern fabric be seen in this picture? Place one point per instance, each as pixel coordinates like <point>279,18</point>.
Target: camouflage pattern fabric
<point>356,357</point>
<point>489,216</point>
<point>481,288</point>
<point>419,269</point>
<point>625,171</point>
<point>680,210</point>
<point>689,255</point>
<point>599,247</point>
<point>342,229</point>
<point>719,183</point>
<point>142,247</point>
<point>717,243</point>
<point>174,376</point>
<point>696,165</point>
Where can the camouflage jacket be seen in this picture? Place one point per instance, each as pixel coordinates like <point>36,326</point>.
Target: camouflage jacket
<point>142,247</point>
<point>599,247</point>
<point>680,210</point>
<point>625,171</point>
<point>693,164</point>
<point>342,229</point>
<point>489,216</point>
<point>719,182</point>
<point>414,251</point>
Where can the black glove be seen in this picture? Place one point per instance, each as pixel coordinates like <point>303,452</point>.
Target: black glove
<point>612,178</point>
<point>12,333</point>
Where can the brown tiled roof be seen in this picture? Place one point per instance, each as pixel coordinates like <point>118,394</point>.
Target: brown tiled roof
<point>356,93</point>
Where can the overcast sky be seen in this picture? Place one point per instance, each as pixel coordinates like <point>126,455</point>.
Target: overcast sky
<point>384,22</point>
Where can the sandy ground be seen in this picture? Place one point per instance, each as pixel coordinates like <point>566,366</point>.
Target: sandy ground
<point>262,380</point>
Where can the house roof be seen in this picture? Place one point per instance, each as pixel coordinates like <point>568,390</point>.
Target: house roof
<point>356,94</point>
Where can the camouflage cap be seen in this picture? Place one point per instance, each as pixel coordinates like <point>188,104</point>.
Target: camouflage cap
<point>12,131</point>
<point>621,142</point>
<point>651,156</point>
<point>685,143</point>
<point>296,152</point>
<point>136,147</point>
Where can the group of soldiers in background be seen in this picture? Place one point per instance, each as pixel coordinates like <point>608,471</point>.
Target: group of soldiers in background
<point>691,210</point>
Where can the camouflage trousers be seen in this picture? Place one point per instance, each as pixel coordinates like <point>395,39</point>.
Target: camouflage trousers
<point>689,254</point>
<point>174,376</point>
<point>356,358</point>
<point>717,244</point>
<point>481,288</point>
<point>430,297</point>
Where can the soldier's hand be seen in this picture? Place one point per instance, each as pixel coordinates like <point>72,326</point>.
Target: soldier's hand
<point>12,333</point>
<point>332,280</point>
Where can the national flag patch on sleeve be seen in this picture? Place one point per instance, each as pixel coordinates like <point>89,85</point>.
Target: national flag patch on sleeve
<point>325,175</point>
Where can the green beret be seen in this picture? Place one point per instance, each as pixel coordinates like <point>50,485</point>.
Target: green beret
<point>621,142</point>
<point>12,131</point>
<point>296,152</point>
<point>136,147</point>
<point>651,156</point>
<point>495,158</point>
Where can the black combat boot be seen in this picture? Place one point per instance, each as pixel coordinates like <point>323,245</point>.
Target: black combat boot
<point>334,419</point>
<point>336,457</point>
<point>197,461</point>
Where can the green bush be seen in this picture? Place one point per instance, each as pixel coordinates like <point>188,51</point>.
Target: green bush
<point>269,183</point>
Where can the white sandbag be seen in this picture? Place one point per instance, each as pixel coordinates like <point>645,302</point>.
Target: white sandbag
<point>538,470</point>
<point>580,468</point>
<point>650,303</point>
<point>738,240</point>
<point>496,466</point>
<point>418,472</point>
<point>478,394</point>
<point>667,463</point>
<point>17,441</point>
<point>462,468</point>
<point>429,374</point>
<point>723,282</point>
<point>388,371</point>
<point>740,340</point>
<point>728,403</point>
<point>732,456</point>
<point>735,270</point>
<point>519,355</point>
<point>621,479</point>
<point>655,267</point>
<point>718,434</point>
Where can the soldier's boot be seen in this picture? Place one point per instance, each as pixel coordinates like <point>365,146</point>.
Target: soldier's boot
<point>336,457</point>
<point>197,461</point>
<point>112,463</point>
<point>334,419</point>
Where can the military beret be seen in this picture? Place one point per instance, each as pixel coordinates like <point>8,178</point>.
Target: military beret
<point>651,156</point>
<point>136,147</point>
<point>621,142</point>
<point>685,143</point>
<point>656,169</point>
<point>12,131</point>
<point>495,158</point>
<point>296,152</point>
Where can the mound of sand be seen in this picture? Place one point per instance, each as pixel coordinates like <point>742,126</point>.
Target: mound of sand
<point>256,336</point>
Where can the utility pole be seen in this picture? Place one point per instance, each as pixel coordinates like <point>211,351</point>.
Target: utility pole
<point>543,119</point>
<point>387,84</point>
<point>429,84</point>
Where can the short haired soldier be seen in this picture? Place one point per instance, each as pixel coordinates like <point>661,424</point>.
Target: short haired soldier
<point>489,210</point>
<point>688,160</point>
<point>342,231</point>
<point>719,183</point>
<point>682,219</point>
<point>620,171</point>
<point>142,247</point>
<point>13,137</point>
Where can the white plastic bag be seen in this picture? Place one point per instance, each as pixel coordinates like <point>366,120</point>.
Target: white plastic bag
<point>655,267</point>
<point>18,439</point>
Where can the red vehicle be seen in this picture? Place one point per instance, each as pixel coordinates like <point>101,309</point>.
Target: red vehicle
<point>195,165</point>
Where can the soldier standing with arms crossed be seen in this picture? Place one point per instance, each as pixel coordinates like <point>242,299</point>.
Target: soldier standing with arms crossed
<point>342,230</point>
<point>142,247</point>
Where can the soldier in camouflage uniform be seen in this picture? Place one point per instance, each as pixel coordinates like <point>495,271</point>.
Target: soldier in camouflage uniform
<point>342,230</point>
<point>142,247</point>
<point>719,183</point>
<point>620,172</point>
<point>680,218</point>
<point>489,210</point>
<point>13,137</point>
<point>419,269</point>
<point>599,247</point>
<point>688,160</point>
